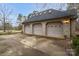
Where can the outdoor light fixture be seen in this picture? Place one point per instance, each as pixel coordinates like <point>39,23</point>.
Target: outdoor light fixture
<point>66,21</point>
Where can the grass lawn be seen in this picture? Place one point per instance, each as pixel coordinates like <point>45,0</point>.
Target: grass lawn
<point>9,32</point>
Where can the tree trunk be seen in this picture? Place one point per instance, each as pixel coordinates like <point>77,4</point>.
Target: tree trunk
<point>4,24</point>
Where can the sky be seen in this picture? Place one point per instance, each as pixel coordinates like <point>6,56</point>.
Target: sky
<point>27,8</point>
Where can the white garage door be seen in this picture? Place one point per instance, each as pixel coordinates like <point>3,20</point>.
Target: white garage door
<point>27,29</point>
<point>37,29</point>
<point>54,30</point>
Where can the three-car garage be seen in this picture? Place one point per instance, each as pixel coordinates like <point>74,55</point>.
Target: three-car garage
<point>52,29</point>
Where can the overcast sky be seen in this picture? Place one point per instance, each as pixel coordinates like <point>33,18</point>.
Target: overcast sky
<point>26,8</point>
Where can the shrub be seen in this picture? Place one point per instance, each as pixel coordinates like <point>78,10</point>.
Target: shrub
<point>75,45</point>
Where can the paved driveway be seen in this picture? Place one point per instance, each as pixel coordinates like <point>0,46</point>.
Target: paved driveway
<point>23,45</point>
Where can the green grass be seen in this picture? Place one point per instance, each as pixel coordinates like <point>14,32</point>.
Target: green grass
<point>9,32</point>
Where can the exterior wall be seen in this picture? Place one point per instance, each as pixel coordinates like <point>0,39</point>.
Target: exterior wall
<point>73,27</point>
<point>44,28</point>
<point>66,30</point>
<point>23,28</point>
<point>31,25</point>
<point>65,27</point>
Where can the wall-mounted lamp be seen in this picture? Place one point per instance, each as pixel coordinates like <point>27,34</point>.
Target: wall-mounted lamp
<point>66,21</point>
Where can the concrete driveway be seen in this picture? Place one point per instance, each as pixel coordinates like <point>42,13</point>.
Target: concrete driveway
<point>24,45</point>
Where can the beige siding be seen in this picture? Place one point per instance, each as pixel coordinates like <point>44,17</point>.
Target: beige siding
<point>66,29</point>
<point>73,27</point>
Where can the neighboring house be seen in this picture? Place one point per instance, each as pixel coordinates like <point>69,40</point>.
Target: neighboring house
<point>51,23</point>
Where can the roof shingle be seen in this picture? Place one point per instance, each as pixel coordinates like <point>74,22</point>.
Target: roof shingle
<point>50,14</point>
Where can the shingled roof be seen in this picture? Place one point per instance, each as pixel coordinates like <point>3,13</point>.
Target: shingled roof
<point>50,14</point>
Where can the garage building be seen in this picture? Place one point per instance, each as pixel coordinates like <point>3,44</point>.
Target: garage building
<point>51,23</point>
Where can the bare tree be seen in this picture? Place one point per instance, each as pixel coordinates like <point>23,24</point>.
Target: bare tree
<point>5,13</point>
<point>43,6</point>
<point>61,6</point>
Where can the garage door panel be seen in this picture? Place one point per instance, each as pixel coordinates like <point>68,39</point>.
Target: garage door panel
<point>54,29</point>
<point>27,29</point>
<point>37,29</point>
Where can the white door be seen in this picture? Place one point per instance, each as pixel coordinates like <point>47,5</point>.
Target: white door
<point>54,30</point>
<point>37,29</point>
<point>28,29</point>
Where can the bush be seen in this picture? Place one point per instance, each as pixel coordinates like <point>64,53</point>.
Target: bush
<point>76,45</point>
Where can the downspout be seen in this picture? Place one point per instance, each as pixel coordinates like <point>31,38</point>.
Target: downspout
<point>70,29</point>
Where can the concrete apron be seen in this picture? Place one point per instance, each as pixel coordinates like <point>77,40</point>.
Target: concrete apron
<point>43,45</point>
